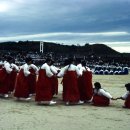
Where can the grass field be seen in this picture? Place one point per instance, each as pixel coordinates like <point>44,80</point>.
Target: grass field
<point>16,115</point>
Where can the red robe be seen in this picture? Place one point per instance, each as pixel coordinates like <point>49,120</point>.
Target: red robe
<point>70,87</point>
<point>54,82</point>
<point>100,100</point>
<point>127,102</point>
<point>22,85</point>
<point>32,84</point>
<point>4,81</point>
<point>13,76</point>
<point>85,86</point>
<point>43,87</point>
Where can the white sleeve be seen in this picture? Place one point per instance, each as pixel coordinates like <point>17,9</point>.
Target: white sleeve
<point>56,68</point>
<point>26,71</point>
<point>79,72</point>
<point>125,95</point>
<point>53,69</point>
<point>88,68</point>
<point>15,67</point>
<point>7,68</point>
<point>1,63</point>
<point>34,67</point>
<point>79,66</point>
<point>62,72</point>
<point>104,93</point>
<point>82,70</point>
<point>48,72</point>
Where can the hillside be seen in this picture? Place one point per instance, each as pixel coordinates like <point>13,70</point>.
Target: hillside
<point>33,46</point>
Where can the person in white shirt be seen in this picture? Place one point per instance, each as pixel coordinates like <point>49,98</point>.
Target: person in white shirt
<point>126,96</point>
<point>85,83</point>
<point>70,74</point>
<point>44,84</point>
<point>13,75</point>
<point>54,79</point>
<point>79,65</point>
<point>33,78</point>
<point>101,97</point>
<point>5,77</point>
<point>22,83</point>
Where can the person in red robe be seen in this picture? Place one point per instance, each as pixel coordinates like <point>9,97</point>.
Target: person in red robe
<point>13,76</point>
<point>85,83</point>
<point>126,96</point>
<point>54,78</point>
<point>22,85</point>
<point>44,87</point>
<point>70,83</point>
<point>32,77</point>
<point>5,77</point>
<point>101,97</point>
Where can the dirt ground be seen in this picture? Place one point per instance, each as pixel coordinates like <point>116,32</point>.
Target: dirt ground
<point>25,115</point>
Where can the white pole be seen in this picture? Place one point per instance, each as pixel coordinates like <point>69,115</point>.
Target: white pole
<point>41,46</point>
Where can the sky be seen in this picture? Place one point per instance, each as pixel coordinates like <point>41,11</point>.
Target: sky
<point>67,21</point>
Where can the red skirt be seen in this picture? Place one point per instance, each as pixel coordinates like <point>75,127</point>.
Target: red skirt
<point>4,81</point>
<point>13,76</point>
<point>43,87</point>
<point>127,102</point>
<point>54,82</point>
<point>70,87</point>
<point>22,86</point>
<point>100,100</point>
<point>32,84</point>
<point>85,86</point>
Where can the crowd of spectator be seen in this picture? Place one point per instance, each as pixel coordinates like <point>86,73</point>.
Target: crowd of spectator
<point>98,66</point>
